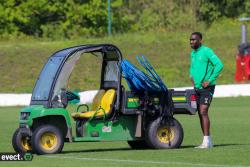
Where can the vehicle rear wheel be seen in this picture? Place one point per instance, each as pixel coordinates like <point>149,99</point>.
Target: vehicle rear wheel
<point>138,144</point>
<point>47,139</point>
<point>21,141</point>
<point>164,134</point>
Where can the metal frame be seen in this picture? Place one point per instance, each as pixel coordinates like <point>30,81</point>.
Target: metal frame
<point>66,53</point>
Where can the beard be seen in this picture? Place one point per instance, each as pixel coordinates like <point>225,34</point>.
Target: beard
<point>195,46</point>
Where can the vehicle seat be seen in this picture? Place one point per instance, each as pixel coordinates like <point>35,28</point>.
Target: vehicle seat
<point>97,99</point>
<point>95,103</point>
<point>100,109</point>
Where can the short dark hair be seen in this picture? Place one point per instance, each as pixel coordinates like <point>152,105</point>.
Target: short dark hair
<point>197,33</point>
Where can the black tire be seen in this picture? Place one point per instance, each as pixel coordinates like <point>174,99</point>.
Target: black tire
<point>47,139</point>
<point>138,144</point>
<point>165,134</point>
<point>21,142</point>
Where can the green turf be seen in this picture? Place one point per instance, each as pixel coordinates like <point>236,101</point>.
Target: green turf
<point>168,52</point>
<point>230,133</point>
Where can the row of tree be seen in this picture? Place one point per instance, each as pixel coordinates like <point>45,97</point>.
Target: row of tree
<point>71,18</point>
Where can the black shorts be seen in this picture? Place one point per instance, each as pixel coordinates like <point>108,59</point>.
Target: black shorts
<point>205,95</point>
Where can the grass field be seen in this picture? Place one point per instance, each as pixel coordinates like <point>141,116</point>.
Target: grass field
<point>230,133</point>
<point>168,52</point>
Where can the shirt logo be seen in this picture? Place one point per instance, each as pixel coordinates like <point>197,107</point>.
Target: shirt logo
<point>206,100</point>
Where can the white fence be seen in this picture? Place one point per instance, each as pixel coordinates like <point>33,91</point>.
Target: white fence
<point>8,99</point>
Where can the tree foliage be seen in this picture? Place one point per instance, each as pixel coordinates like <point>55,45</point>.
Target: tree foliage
<point>212,10</point>
<point>75,18</point>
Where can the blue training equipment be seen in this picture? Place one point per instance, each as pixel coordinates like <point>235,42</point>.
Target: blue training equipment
<point>138,80</point>
<point>145,63</point>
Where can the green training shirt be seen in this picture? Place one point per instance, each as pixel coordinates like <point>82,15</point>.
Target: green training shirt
<point>204,66</point>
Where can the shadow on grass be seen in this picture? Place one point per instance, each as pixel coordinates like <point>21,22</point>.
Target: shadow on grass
<point>226,145</point>
<point>96,150</point>
<point>127,149</point>
<point>216,145</point>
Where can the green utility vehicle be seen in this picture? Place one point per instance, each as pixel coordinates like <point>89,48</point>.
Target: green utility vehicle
<point>116,114</point>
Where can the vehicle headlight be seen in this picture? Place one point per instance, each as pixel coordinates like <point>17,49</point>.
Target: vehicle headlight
<point>25,115</point>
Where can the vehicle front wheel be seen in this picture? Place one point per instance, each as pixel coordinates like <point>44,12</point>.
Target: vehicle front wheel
<point>21,142</point>
<point>47,139</point>
<point>164,133</point>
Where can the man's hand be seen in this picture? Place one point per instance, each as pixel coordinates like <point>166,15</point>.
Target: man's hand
<point>205,84</point>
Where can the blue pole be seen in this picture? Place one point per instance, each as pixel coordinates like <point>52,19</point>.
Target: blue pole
<point>109,19</point>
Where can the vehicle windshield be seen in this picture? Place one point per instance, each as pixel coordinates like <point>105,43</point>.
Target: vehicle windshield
<point>71,75</point>
<point>45,80</point>
<point>62,80</point>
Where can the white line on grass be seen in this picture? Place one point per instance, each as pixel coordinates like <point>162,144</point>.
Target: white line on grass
<point>144,162</point>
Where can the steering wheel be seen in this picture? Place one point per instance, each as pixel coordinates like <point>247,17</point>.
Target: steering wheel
<point>72,96</point>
